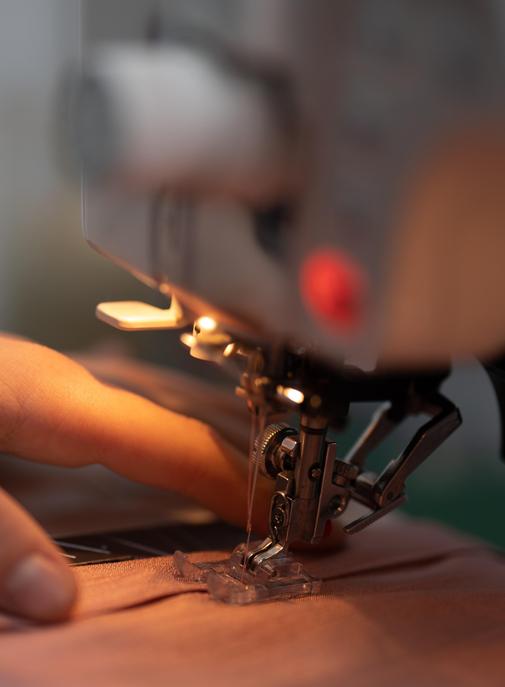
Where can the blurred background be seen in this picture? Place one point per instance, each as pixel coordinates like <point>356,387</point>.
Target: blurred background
<point>50,281</point>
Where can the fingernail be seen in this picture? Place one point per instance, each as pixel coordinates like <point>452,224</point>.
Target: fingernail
<point>39,588</point>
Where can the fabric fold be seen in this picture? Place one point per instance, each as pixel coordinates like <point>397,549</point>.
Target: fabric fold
<point>406,603</point>
<point>106,588</point>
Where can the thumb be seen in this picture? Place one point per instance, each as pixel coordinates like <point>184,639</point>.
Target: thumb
<point>35,581</point>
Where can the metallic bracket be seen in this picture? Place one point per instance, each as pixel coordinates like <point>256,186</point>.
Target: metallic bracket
<point>385,492</point>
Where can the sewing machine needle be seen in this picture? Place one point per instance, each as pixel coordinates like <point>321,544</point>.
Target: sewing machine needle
<point>257,426</point>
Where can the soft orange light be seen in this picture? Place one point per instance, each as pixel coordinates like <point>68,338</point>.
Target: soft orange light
<point>229,350</point>
<point>188,339</point>
<point>206,324</point>
<point>293,395</point>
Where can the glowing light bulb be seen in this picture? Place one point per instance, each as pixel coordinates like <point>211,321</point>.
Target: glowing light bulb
<point>206,324</point>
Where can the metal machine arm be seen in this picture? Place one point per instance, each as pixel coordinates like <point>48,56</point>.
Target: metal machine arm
<point>314,486</point>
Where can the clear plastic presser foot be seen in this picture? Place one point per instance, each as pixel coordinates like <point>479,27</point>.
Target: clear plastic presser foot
<point>229,581</point>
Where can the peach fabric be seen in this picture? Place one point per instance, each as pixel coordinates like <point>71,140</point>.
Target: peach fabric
<point>408,604</point>
<point>405,604</point>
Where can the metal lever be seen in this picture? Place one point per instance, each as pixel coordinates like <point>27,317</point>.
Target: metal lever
<point>135,316</point>
<point>279,522</point>
<point>366,520</point>
<point>387,491</point>
<point>384,421</point>
<point>427,439</point>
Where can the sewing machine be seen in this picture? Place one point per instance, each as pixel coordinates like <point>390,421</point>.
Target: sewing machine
<point>263,163</point>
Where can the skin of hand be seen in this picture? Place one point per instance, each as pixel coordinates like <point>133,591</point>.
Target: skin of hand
<point>52,410</point>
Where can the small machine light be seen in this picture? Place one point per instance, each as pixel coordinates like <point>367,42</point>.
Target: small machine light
<point>293,395</point>
<point>206,324</point>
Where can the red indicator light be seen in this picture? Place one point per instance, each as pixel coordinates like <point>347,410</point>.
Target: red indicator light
<point>333,288</point>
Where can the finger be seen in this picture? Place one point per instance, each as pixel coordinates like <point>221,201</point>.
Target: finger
<point>67,417</point>
<point>143,442</point>
<point>181,392</point>
<point>35,581</point>
<point>52,410</point>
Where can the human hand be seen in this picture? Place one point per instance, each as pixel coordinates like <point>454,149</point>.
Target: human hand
<point>53,410</point>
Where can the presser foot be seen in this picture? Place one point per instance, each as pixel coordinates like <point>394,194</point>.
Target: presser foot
<point>230,581</point>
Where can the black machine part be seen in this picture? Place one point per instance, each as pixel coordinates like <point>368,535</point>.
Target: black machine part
<point>496,371</point>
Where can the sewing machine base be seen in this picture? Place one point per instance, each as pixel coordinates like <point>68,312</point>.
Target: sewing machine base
<point>228,581</point>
